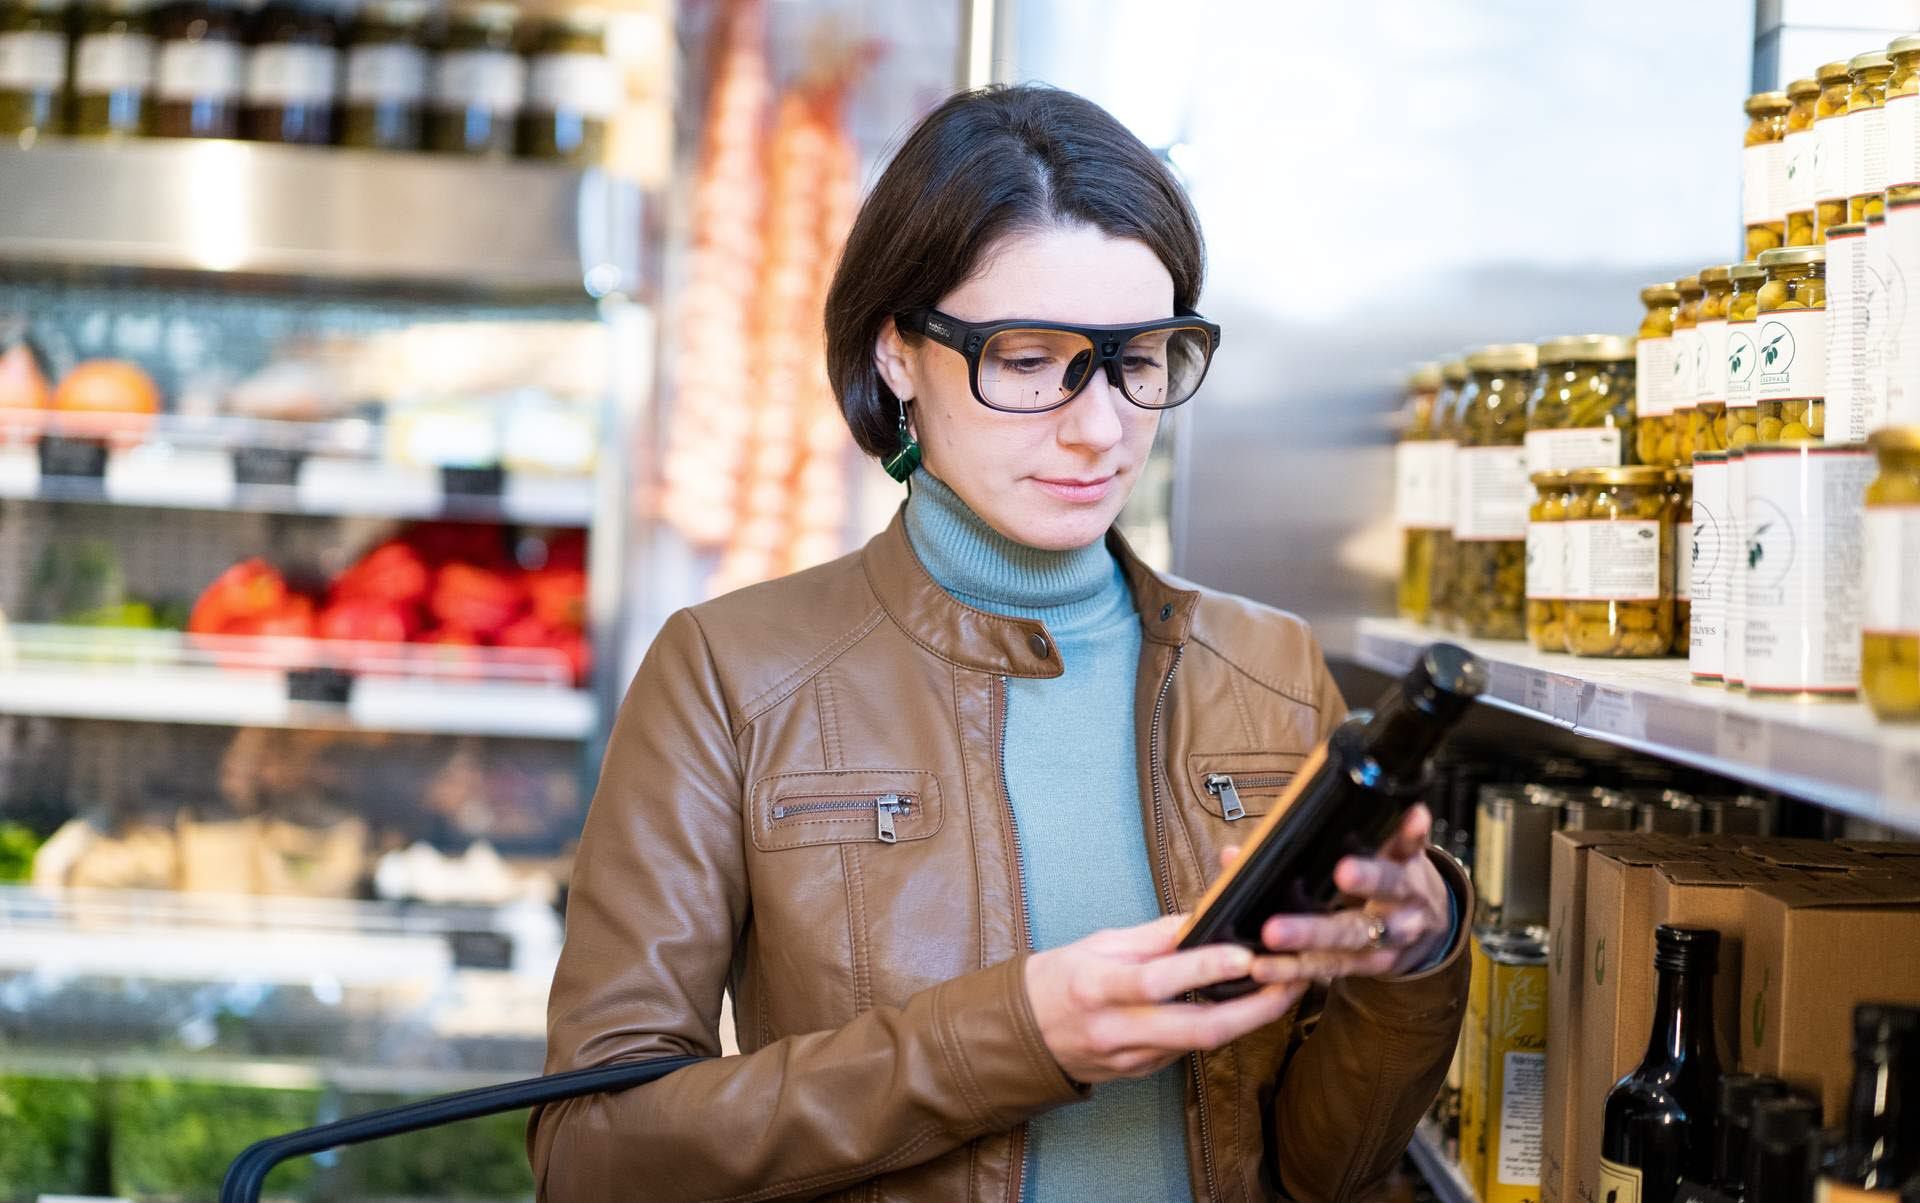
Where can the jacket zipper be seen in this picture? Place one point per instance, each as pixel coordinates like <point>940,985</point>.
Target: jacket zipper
<point>1024,1134</point>
<point>884,808</point>
<point>1223,787</point>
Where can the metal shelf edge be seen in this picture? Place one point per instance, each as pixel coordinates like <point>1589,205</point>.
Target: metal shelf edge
<point>1441,1174</point>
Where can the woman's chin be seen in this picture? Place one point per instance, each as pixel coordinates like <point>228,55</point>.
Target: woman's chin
<point>1059,527</point>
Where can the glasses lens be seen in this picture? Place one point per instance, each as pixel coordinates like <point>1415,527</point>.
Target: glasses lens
<point>1164,367</point>
<point>1033,369</point>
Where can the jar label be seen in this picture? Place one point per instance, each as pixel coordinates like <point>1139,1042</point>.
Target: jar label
<point>1701,561</point>
<point>1546,561</point>
<point>495,80</point>
<point>1805,538</point>
<point>1792,345</point>
<point>1762,183</point>
<point>1899,401</point>
<point>31,61</point>
<point>279,73</point>
<point>1423,485</point>
<point>1614,561</point>
<point>1653,377</point>
<point>213,71</point>
<point>113,62</point>
<point>1732,579</point>
<point>1830,158</point>
<point>1881,315</point>
<point>1866,151</point>
<point>1711,388</point>
<point>386,74</point>
<point>1797,175</point>
<point>1903,139</point>
<point>1564,450</point>
<point>1742,357</point>
<point>1893,570</point>
<point>1682,587</point>
<point>1846,334</point>
<point>587,84</point>
<point>1686,371</point>
<point>1491,495</point>
<point>1619,1183</point>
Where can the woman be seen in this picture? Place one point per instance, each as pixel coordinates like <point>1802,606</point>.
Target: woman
<point>922,809</point>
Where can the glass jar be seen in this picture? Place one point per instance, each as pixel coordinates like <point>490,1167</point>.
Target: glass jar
<point>1580,409</point>
<point>1802,95</point>
<point>1890,635</point>
<point>293,74</point>
<point>1414,480</point>
<point>1903,113</point>
<point>112,70</point>
<point>479,83</point>
<point>1619,563</point>
<point>1446,435</point>
<point>1867,133</point>
<point>1492,493</point>
<point>386,94</point>
<point>1791,377</point>
<point>1689,362</point>
<point>1830,148</point>
<point>1680,522</point>
<point>1655,437</point>
<point>1763,188</point>
<point>1743,313</point>
<point>33,69</point>
<point>1707,420</point>
<point>1547,562</point>
<point>1853,368</point>
<point>573,91</point>
<point>200,69</point>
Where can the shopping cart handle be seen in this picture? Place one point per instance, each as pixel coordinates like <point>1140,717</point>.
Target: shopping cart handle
<point>249,1169</point>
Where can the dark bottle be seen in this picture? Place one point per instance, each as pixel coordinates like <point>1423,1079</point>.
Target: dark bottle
<point>293,74</point>
<point>386,100</point>
<point>33,69</point>
<point>1660,1118</point>
<point>1733,1140</point>
<point>112,70</point>
<point>200,69</point>
<point>479,83</point>
<point>573,90</point>
<point>1347,800</point>
<point>1786,1149</point>
<point>1882,1147</point>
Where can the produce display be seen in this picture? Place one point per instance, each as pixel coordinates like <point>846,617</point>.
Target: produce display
<point>54,1134</point>
<point>171,1138</point>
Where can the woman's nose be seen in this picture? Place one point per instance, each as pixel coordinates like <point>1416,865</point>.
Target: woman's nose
<point>1092,420</point>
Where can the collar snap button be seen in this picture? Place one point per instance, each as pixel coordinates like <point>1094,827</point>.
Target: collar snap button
<point>1166,612</point>
<point>1038,643</point>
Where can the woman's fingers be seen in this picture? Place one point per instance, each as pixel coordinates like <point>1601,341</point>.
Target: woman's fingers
<point>1141,941</point>
<point>1344,931</point>
<point>1228,855</point>
<point>1303,967</point>
<point>1416,831</point>
<point>1166,977</point>
<point>1186,1026</point>
<point>1375,878</point>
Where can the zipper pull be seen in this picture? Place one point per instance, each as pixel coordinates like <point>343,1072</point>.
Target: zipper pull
<point>884,808</point>
<point>1221,786</point>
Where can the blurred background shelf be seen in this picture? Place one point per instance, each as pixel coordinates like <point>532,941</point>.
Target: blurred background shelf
<point>1441,1172</point>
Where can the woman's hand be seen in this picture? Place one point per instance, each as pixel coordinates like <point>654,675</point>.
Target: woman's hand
<point>1102,1009</point>
<point>1399,889</point>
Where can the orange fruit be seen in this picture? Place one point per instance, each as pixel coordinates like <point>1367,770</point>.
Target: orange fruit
<point>106,397</point>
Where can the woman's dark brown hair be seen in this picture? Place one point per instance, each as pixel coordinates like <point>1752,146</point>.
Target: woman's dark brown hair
<point>986,164</point>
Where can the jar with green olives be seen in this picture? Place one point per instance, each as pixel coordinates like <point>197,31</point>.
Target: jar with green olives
<point>200,68</point>
<point>1619,563</point>
<point>1763,166</point>
<point>33,69</point>
<point>1580,410</point>
<point>573,91</point>
<point>386,88</point>
<point>1547,562</point>
<point>1791,379</point>
<point>293,74</point>
<point>1417,505</point>
<point>1446,443</point>
<point>1655,438</point>
<point>1680,522</point>
<point>1890,632</point>
<point>112,70</point>
<point>1867,133</point>
<point>1830,148</point>
<point>479,83</point>
<point>1802,95</point>
<point>1903,116</point>
<point>1689,365</point>
<point>1743,355</point>
<point>1492,493</point>
<point>1707,420</point>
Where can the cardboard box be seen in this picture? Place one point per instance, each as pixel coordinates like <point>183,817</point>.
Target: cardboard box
<point>1816,947</point>
<point>1712,894</point>
<point>1812,856</point>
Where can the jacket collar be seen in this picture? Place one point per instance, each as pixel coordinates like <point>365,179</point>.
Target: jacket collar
<point>996,643</point>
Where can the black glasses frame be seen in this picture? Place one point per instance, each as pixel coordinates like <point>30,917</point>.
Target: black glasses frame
<point>1108,342</point>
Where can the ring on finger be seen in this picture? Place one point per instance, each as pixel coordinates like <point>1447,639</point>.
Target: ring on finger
<point>1379,932</point>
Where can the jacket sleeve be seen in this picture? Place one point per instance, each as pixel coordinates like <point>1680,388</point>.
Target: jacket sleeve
<point>1352,1094</point>
<point>658,903</point>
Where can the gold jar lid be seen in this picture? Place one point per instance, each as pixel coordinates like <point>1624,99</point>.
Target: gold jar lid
<point>1895,438</point>
<point>1586,348</point>
<point>1872,60</point>
<point>1832,73</point>
<point>1852,229</point>
<point>1659,294</point>
<point>1905,44</point>
<point>1803,89</point>
<point>1504,357</point>
<point>1424,377</point>
<point>1716,275</point>
<point>1689,286</point>
<point>1745,272</point>
<point>1554,479</point>
<point>1875,219</point>
<point>487,14</point>
<point>1708,457</point>
<point>1765,104</point>
<point>1637,475</point>
<point>399,12</point>
<point>1454,371</point>
<point>1792,256</point>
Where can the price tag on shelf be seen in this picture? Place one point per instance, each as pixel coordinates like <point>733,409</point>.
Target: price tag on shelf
<point>276,467</point>
<point>1826,756</point>
<point>372,487</point>
<point>1539,696</point>
<point>1743,739</point>
<point>1509,683</point>
<point>1682,725</point>
<point>1569,694</point>
<point>1614,712</point>
<point>19,472</point>
<point>164,476</point>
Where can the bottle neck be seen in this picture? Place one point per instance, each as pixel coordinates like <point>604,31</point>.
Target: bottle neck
<point>1883,1121</point>
<point>1400,737</point>
<point>1682,1018</point>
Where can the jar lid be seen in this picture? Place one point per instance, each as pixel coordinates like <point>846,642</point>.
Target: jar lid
<point>1805,89</point>
<point>1708,457</point>
<point>1454,371</point>
<point>1762,104</point>
<point>1875,219</point>
<point>1832,73</point>
<point>1424,377</point>
<point>579,20</point>
<point>1659,294</point>
<point>1895,438</point>
<point>1748,271</point>
<point>399,12</point>
<point>1852,229</point>
<point>494,14</point>
<point>1870,61</point>
<point>1503,357</point>
<point>1907,44</point>
<point>1551,479</point>
<point>1716,275</point>
<point>1640,474</point>
<point>1689,286</point>
<point>1586,348</point>
<point>1792,256</point>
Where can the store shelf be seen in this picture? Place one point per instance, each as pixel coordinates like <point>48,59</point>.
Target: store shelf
<point>323,214</point>
<point>1832,753</point>
<point>1434,1165</point>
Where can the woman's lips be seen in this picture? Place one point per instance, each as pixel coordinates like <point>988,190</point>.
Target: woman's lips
<point>1077,490</point>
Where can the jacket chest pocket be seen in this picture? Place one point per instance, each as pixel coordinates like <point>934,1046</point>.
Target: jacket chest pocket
<point>878,806</point>
<point>1235,785</point>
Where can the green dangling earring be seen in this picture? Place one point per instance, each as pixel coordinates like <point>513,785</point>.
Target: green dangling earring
<point>902,463</point>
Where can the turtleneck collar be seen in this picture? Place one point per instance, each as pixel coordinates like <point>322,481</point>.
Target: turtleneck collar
<point>1072,591</point>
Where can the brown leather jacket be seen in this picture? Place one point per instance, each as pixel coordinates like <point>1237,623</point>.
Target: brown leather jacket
<point>888,1048</point>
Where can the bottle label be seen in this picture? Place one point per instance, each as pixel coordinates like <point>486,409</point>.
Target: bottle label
<point>1893,570</point>
<point>1762,168</point>
<point>494,80</point>
<point>1880,314</point>
<point>1830,158</point>
<point>1523,1099</point>
<point>113,62</point>
<point>1731,580</point>
<point>1826,1190</point>
<point>1701,561</point>
<point>1653,377</point>
<point>1618,1183</point>
<point>1903,140</point>
<point>1614,561</point>
<point>1805,543</point>
<point>32,61</point>
<point>1492,494</point>
<point>1546,561</point>
<point>1711,388</point>
<point>1866,151</point>
<point>1742,356</point>
<point>281,74</point>
<point>1846,332</point>
<point>1798,174</point>
<point>1685,371</point>
<point>1423,485</point>
<point>1682,565</point>
<point>1792,344</point>
<point>1558,450</point>
<point>189,71</point>
<point>1898,403</point>
<point>587,84</point>
<point>386,75</point>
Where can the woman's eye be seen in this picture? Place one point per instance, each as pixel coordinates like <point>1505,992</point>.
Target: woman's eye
<point>1024,365</point>
<point>1139,363</point>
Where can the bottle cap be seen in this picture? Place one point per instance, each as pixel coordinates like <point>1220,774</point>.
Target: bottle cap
<point>1785,1124</point>
<point>1445,680</point>
<point>1883,1027</point>
<point>1739,1093</point>
<point>1688,949</point>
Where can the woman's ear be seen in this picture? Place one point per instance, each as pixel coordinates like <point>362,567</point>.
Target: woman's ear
<point>894,361</point>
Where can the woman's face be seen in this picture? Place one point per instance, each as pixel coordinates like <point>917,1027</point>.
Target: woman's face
<point>1053,480</point>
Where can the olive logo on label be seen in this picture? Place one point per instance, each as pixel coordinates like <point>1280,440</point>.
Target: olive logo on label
<point>1760,1007</point>
<point>1706,542</point>
<point>1740,358</point>
<point>1770,544</point>
<point>1600,962</point>
<point>1777,350</point>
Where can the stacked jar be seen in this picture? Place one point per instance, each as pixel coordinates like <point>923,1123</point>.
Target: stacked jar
<point>479,83</point>
<point>1898,400</point>
<point>573,90</point>
<point>1852,289</point>
<point>1763,163</point>
<point>1619,556</point>
<point>1680,523</point>
<point>1743,354</point>
<point>1547,562</point>
<point>387,70</point>
<point>1790,382</point>
<point>1421,503</point>
<point>1580,411</point>
<point>293,74</point>
<point>1656,439</point>
<point>33,69</point>
<point>1867,134</point>
<point>1492,493</point>
<point>1802,98</point>
<point>1890,631</point>
<point>113,60</point>
<point>1708,553</point>
<point>1830,148</point>
<point>1689,365</point>
<point>1446,442</point>
<point>1707,419</point>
